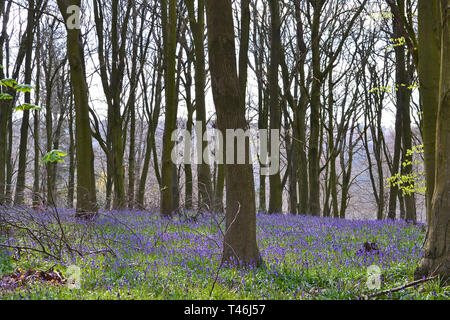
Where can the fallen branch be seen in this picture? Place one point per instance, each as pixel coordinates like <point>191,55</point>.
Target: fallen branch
<point>406,286</point>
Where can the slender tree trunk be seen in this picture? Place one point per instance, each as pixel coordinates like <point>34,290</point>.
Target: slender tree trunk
<point>332,155</point>
<point>23,146</point>
<point>37,128</point>
<point>132,156</point>
<point>205,193</point>
<point>71,185</point>
<point>188,174</point>
<point>152,127</point>
<point>293,169</point>
<point>188,181</point>
<point>5,105</point>
<point>132,107</point>
<point>9,164</point>
<point>276,191</point>
<point>262,102</point>
<point>401,104</point>
<point>314,155</point>
<point>169,19</point>
<point>219,188</point>
<point>49,125</point>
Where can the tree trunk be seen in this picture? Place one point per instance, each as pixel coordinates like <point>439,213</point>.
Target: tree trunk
<point>429,69</point>
<point>169,19</point>
<point>152,126</point>
<point>71,184</point>
<point>188,181</point>
<point>314,155</point>
<point>276,191</point>
<point>240,237</point>
<point>403,106</point>
<point>86,193</point>
<point>37,128</point>
<point>262,102</point>
<point>205,193</point>
<point>23,146</point>
<point>437,248</point>
<point>5,105</point>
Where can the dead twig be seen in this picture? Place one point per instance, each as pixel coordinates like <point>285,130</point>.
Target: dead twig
<point>406,286</point>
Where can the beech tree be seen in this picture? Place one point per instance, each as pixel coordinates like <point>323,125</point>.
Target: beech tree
<point>436,260</point>
<point>275,202</point>
<point>240,237</point>
<point>169,31</point>
<point>86,192</point>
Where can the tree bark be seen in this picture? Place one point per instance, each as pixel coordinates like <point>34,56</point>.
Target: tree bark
<point>240,237</point>
<point>23,146</point>
<point>71,184</point>
<point>86,193</point>
<point>436,260</point>
<point>5,105</point>
<point>429,74</point>
<point>169,23</point>
<point>276,191</point>
<point>205,190</point>
<point>314,156</point>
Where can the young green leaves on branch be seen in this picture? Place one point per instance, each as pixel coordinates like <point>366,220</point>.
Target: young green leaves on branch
<point>54,156</point>
<point>413,182</point>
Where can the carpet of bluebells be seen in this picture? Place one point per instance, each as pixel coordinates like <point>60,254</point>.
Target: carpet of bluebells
<point>155,258</point>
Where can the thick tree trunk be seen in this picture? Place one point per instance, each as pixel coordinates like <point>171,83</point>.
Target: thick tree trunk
<point>86,193</point>
<point>240,237</point>
<point>437,248</point>
<point>429,73</point>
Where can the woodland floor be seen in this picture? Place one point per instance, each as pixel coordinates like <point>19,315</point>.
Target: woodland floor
<point>146,257</point>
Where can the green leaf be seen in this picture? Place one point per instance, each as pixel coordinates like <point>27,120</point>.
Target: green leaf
<point>24,88</point>
<point>27,106</point>
<point>54,156</point>
<point>8,83</point>
<point>5,96</point>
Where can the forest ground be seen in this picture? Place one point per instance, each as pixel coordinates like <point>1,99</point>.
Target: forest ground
<point>138,255</point>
